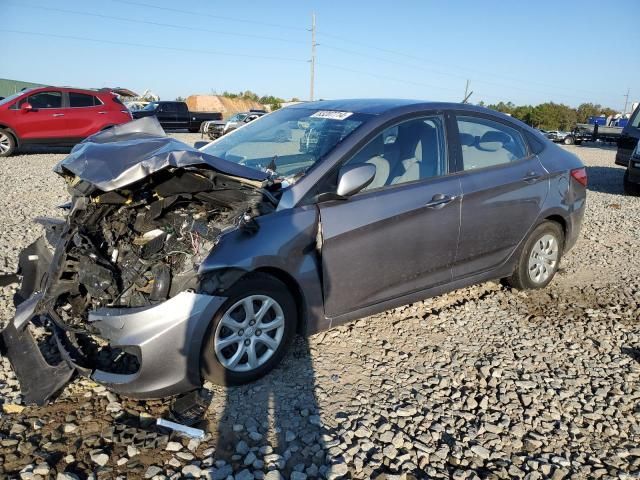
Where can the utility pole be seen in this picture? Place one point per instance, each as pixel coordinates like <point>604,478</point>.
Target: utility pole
<point>313,54</point>
<point>626,100</point>
<point>467,93</point>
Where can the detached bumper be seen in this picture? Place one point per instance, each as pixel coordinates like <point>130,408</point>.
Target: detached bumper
<point>166,339</point>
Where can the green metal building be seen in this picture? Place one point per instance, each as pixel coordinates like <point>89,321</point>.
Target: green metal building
<point>9,87</point>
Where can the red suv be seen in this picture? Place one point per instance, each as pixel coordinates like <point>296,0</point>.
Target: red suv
<point>60,116</point>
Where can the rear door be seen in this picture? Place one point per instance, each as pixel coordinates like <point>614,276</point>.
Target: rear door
<point>85,115</point>
<point>398,236</point>
<point>504,187</point>
<point>45,121</point>
<point>629,139</point>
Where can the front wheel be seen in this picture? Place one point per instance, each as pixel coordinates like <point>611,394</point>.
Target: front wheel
<point>630,188</point>
<point>7,144</point>
<point>539,258</point>
<point>251,332</point>
<point>569,140</point>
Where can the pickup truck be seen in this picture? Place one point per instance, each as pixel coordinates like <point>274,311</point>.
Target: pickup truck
<point>176,115</point>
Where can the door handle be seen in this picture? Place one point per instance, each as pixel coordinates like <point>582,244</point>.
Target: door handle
<point>102,113</point>
<point>531,177</point>
<point>58,115</point>
<point>439,200</point>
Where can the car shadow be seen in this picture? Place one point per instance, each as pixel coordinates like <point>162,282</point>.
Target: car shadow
<point>634,353</point>
<point>606,179</point>
<point>40,149</point>
<point>600,145</point>
<point>273,422</point>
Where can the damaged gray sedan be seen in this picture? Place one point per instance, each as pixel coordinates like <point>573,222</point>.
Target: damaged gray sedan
<point>176,265</point>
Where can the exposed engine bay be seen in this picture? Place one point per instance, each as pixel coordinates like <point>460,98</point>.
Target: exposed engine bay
<point>146,211</point>
<point>138,247</point>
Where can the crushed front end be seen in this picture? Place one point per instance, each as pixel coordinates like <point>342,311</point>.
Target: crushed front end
<point>116,285</point>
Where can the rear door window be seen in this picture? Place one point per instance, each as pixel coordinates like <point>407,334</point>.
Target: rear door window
<point>486,143</point>
<point>49,99</point>
<point>79,100</point>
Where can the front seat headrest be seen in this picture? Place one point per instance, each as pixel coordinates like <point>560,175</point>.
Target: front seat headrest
<point>493,141</point>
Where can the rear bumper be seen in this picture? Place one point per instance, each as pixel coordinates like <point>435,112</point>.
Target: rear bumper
<point>165,338</point>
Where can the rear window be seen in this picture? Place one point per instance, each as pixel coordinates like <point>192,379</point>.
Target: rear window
<point>78,100</point>
<point>117,100</point>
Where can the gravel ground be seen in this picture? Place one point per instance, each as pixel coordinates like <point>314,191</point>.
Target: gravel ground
<point>484,382</point>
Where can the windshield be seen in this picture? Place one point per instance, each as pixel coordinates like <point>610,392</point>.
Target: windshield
<point>287,142</point>
<point>238,117</point>
<point>151,106</point>
<point>11,98</point>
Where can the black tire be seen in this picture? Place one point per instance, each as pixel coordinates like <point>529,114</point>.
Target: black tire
<point>569,140</point>
<point>521,278</point>
<point>630,188</point>
<point>251,285</point>
<point>7,143</point>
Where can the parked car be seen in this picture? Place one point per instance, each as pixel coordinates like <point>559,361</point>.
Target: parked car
<point>176,264</point>
<point>559,136</point>
<point>632,175</point>
<point>627,143</point>
<point>57,116</point>
<point>216,129</point>
<point>176,115</point>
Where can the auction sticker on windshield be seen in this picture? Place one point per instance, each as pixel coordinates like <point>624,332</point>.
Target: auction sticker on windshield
<point>331,114</point>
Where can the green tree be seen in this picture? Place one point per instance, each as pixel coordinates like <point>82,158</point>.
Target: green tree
<point>180,99</point>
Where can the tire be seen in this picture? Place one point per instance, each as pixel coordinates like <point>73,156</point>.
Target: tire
<point>546,242</point>
<point>569,140</point>
<point>630,188</point>
<point>7,144</point>
<point>231,322</point>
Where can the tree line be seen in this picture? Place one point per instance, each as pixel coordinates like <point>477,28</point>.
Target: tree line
<point>550,115</point>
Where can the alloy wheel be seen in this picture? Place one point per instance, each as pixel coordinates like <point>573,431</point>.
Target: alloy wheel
<point>543,259</point>
<point>249,333</point>
<point>5,143</point>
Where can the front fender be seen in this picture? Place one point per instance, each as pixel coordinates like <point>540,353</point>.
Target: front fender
<point>285,241</point>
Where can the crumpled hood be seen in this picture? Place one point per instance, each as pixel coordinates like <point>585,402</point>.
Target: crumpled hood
<point>127,153</point>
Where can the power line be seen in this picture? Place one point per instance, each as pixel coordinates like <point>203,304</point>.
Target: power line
<point>157,47</point>
<point>157,24</point>
<point>209,15</point>
<point>459,67</point>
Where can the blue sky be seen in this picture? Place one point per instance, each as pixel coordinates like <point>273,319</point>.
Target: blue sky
<point>524,52</point>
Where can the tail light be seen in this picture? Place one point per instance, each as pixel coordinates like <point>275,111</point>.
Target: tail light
<point>580,175</point>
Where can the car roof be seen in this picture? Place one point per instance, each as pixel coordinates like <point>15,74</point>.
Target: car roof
<point>378,106</point>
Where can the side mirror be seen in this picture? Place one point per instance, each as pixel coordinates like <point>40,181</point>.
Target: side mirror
<point>200,143</point>
<point>353,178</point>
<point>26,107</point>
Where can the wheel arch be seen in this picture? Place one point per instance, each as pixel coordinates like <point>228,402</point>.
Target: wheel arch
<point>559,219</point>
<point>11,131</point>
<point>296,292</point>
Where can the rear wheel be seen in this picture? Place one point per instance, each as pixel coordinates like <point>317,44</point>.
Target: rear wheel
<point>569,140</point>
<point>7,144</point>
<point>539,258</point>
<point>251,332</point>
<point>630,188</point>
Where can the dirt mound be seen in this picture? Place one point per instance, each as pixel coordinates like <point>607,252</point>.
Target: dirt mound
<point>216,103</point>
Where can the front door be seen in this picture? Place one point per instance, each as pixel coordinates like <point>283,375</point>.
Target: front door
<point>503,187</point>
<point>399,235</point>
<point>45,121</point>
